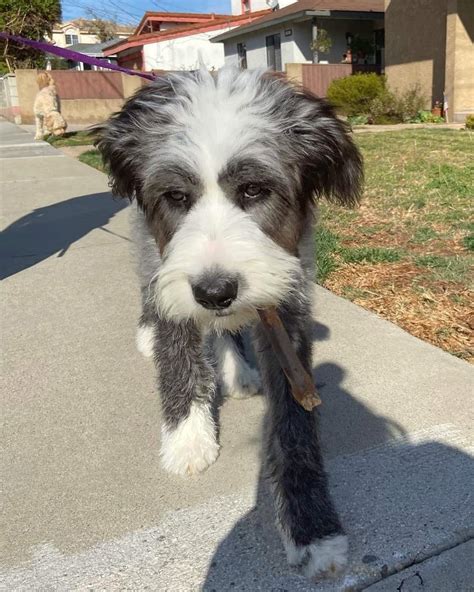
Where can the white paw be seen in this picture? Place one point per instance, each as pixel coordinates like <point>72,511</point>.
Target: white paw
<point>190,447</point>
<point>326,556</point>
<point>38,137</point>
<point>145,340</point>
<point>247,384</point>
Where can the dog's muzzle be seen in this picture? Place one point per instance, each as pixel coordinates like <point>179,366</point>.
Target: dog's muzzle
<point>215,290</point>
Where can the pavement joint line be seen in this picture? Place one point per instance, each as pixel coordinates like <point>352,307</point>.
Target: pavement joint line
<point>25,144</point>
<point>469,536</point>
<point>59,155</point>
<point>30,179</point>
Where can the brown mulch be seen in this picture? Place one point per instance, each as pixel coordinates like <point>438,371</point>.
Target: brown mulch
<point>437,312</point>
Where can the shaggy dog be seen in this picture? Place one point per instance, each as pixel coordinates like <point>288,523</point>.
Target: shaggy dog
<point>46,108</point>
<point>225,171</point>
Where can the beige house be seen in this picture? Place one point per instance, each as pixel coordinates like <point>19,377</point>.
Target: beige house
<point>82,31</point>
<point>431,43</point>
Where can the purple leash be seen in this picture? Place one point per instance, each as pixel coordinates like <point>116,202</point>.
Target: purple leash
<point>75,56</point>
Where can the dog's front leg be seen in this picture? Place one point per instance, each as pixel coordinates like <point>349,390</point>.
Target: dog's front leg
<point>306,517</point>
<point>187,385</point>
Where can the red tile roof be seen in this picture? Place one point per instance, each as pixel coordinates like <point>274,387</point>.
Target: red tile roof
<point>173,17</point>
<point>223,22</point>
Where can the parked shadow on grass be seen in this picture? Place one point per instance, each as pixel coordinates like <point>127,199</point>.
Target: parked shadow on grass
<point>51,230</point>
<point>399,501</point>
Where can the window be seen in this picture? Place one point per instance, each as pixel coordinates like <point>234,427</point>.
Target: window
<point>273,43</point>
<point>71,39</point>
<point>242,55</point>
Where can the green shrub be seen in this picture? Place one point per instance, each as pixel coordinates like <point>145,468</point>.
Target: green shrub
<point>353,95</point>
<point>392,107</point>
<point>427,117</point>
<point>410,103</point>
<point>358,119</point>
<point>470,122</point>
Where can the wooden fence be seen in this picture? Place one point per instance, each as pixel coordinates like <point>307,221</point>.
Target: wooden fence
<point>317,77</point>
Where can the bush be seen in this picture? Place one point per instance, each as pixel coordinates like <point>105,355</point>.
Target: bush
<point>409,104</point>
<point>470,122</point>
<point>366,96</point>
<point>358,119</point>
<point>353,95</point>
<point>427,117</point>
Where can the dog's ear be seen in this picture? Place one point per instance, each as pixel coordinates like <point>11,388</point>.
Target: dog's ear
<point>328,159</point>
<point>120,139</point>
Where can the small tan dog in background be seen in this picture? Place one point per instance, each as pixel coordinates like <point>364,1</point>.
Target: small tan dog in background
<point>46,108</point>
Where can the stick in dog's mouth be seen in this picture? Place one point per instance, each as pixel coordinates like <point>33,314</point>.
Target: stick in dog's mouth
<point>301,383</point>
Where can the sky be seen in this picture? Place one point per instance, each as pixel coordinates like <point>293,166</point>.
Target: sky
<point>131,11</point>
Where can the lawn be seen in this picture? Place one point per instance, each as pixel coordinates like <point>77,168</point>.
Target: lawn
<point>82,138</point>
<point>93,159</point>
<point>407,253</point>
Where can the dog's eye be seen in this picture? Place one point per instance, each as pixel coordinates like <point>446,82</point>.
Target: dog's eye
<point>252,191</point>
<point>177,196</point>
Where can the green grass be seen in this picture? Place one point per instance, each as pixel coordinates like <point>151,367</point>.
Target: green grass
<point>370,255</point>
<point>81,138</point>
<point>93,159</point>
<point>451,268</point>
<point>418,192</point>
<point>468,242</point>
<point>424,234</point>
<point>326,246</point>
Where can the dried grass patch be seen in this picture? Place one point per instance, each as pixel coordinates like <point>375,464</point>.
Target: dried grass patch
<point>437,312</point>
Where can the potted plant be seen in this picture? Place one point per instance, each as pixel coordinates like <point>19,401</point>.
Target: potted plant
<point>322,43</point>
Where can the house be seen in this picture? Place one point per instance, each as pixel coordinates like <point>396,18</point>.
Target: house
<point>177,41</point>
<point>432,44</point>
<point>286,35</point>
<point>95,50</point>
<point>82,31</point>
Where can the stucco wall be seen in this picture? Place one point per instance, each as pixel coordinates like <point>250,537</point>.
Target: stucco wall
<point>75,110</point>
<point>89,110</point>
<point>257,49</point>
<point>183,53</point>
<point>460,59</point>
<point>302,36</point>
<point>415,46</point>
<point>430,43</point>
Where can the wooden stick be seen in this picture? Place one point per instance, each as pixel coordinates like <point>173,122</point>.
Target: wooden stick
<point>301,383</point>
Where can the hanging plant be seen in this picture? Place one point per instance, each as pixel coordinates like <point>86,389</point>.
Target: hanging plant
<point>322,43</point>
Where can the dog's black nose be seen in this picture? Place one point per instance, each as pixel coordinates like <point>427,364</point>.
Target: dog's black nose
<point>215,292</point>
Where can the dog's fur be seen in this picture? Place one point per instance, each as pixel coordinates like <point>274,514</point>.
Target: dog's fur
<point>46,108</point>
<point>225,171</point>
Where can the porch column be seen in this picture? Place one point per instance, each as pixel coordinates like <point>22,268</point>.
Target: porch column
<point>314,36</point>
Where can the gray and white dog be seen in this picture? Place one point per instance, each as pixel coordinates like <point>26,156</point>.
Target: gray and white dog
<point>225,170</point>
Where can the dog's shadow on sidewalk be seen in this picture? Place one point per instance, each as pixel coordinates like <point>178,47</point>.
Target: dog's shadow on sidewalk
<point>396,498</point>
<point>52,229</point>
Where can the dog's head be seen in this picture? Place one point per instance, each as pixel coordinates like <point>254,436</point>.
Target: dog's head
<point>227,169</point>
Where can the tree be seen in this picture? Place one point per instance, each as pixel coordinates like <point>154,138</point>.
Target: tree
<point>103,28</point>
<point>33,19</point>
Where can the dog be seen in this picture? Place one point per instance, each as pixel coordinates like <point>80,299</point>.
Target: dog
<point>46,108</point>
<point>225,171</point>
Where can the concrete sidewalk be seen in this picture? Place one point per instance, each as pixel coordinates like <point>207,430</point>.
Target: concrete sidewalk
<point>87,506</point>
